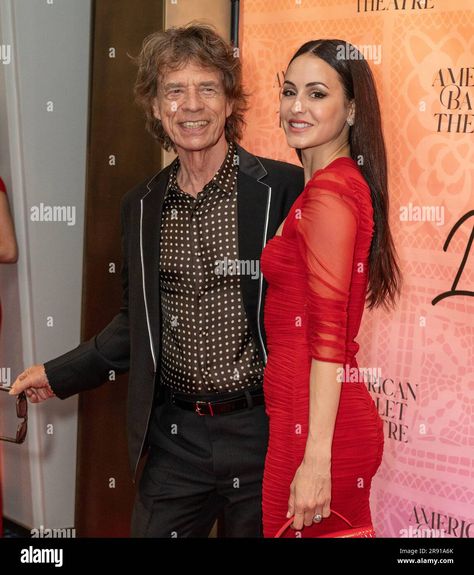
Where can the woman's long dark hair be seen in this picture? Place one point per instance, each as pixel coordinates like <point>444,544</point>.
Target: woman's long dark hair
<point>368,151</point>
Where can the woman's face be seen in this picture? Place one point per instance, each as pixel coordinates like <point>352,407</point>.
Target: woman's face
<point>313,107</point>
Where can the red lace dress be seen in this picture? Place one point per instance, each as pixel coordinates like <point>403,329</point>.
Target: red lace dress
<point>317,280</point>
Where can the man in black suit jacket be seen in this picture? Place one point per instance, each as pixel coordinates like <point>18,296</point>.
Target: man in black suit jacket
<point>190,329</point>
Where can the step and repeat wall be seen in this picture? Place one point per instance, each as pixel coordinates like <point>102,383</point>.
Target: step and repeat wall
<point>422,55</point>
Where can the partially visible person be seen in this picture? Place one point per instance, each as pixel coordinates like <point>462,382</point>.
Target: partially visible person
<point>332,255</point>
<point>8,255</point>
<point>8,245</point>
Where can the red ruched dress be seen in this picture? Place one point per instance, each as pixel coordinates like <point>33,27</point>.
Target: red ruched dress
<point>317,281</point>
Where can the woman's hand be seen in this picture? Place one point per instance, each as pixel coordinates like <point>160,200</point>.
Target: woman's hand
<point>310,491</point>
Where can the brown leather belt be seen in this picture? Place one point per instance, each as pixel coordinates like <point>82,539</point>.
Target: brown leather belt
<point>219,406</point>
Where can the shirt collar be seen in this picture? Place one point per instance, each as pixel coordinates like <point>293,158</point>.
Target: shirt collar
<point>223,178</point>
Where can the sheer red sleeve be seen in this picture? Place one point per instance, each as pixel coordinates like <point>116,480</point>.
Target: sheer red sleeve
<point>2,186</point>
<point>326,234</point>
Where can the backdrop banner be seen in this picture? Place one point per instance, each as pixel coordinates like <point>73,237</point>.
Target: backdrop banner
<point>417,361</point>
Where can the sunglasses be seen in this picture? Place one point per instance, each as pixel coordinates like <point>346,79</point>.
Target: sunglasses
<point>21,413</point>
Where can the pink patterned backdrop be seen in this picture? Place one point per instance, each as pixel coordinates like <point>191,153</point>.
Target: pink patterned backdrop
<point>426,352</point>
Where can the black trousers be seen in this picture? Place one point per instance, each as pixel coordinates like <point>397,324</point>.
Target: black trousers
<point>200,466</point>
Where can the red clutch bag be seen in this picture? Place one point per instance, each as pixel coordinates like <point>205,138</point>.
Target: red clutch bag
<point>357,532</point>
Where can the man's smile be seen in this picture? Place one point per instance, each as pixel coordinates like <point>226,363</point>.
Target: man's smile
<point>194,125</point>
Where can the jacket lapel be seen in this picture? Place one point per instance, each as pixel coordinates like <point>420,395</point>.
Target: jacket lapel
<point>253,212</point>
<point>253,205</point>
<point>150,224</point>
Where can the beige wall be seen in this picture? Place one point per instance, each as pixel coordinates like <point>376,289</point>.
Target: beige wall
<point>43,160</point>
<point>179,12</point>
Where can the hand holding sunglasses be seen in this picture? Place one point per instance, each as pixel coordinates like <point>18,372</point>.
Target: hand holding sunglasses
<point>34,382</point>
<point>22,413</point>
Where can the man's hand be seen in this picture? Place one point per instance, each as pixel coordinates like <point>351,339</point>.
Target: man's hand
<point>34,383</point>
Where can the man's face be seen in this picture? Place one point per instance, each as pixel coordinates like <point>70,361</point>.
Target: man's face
<point>192,106</point>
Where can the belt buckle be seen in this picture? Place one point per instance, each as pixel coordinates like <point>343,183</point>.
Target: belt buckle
<point>197,408</point>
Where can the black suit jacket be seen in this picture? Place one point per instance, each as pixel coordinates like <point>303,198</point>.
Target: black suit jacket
<point>266,189</point>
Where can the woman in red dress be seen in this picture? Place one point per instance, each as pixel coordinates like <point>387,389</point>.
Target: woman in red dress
<point>333,253</point>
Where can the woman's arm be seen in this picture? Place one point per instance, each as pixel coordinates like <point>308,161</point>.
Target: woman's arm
<point>326,235</point>
<point>325,391</point>
<point>8,245</point>
<point>324,394</point>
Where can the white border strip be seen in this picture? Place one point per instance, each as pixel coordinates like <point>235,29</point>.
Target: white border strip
<point>7,21</point>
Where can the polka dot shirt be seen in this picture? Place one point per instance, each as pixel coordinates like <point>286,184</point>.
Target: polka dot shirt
<point>207,346</point>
